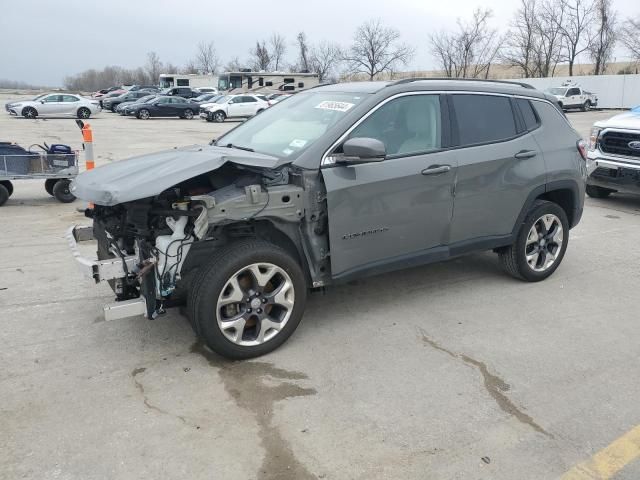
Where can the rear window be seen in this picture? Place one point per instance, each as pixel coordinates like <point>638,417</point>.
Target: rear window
<point>483,118</point>
<point>528,114</point>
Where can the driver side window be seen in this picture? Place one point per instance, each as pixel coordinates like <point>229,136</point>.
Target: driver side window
<point>406,125</point>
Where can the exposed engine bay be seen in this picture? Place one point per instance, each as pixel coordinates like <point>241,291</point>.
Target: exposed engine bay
<point>171,234</point>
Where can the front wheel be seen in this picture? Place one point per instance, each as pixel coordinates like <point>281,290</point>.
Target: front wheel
<point>49,184</point>
<point>598,192</point>
<point>4,195</point>
<point>248,300</point>
<point>586,106</point>
<point>219,117</point>
<point>540,244</point>
<point>8,185</point>
<point>144,114</point>
<point>29,112</point>
<point>61,191</point>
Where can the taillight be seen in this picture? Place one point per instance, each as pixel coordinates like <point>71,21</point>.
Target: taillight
<point>582,148</point>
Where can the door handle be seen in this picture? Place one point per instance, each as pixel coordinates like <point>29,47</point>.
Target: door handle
<point>436,169</point>
<point>522,154</point>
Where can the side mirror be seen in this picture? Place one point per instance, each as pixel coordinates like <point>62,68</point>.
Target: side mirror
<point>362,150</point>
<point>42,102</point>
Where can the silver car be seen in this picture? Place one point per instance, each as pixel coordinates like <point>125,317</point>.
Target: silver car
<point>54,104</point>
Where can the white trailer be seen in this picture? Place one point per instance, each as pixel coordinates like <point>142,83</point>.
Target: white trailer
<point>248,81</point>
<point>169,80</point>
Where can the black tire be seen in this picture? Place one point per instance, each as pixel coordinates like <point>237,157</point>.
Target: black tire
<point>4,195</point>
<point>143,114</point>
<point>61,191</point>
<point>586,106</point>
<point>8,185</point>
<point>83,112</point>
<point>29,112</point>
<point>513,257</point>
<point>598,192</point>
<point>49,184</point>
<point>260,111</point>
<point>188,114</point>
<point>211,279</point>
<point>219,116</point>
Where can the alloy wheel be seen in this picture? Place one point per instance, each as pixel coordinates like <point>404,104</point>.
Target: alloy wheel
<point>255,304</point>
<point>544,242</point>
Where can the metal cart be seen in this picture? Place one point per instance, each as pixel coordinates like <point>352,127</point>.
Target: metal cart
<point>57,170</point>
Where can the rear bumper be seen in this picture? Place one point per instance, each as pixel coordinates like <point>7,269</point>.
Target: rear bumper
<point>616,173</point>
<point>104,270</point>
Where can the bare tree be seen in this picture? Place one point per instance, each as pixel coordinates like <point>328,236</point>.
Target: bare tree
<point>575,28</point>
<point>153,67</point>
<point>325,58</point>
<point>604,37</point>
<point>630,37</point>
<point>278,49</point>
<point>521,38</point>
<point>170,68</point>
<point>260,57</point>
<point>206,59</point>
<point>189,68</point>
<point>376,49</point>
<point>469,51</point>
<point>233,65</point>
<point>303,53</point>
<point>548,47</point>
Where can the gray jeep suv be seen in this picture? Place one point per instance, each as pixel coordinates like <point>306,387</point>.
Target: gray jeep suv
<point>336,183</point>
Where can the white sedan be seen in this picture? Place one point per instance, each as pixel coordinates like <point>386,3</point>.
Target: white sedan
<point>54,104</point>
<point>234,106</point>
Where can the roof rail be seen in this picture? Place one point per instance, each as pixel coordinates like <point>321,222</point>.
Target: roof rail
<point>507,82</point>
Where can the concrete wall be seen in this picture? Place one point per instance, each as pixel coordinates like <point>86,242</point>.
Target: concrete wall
<point>613,91</point>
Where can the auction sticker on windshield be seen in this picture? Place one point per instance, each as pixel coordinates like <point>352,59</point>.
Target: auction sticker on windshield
<point>337,106</point>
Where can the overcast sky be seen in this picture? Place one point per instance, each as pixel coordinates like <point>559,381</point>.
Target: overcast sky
<point>42,41</point>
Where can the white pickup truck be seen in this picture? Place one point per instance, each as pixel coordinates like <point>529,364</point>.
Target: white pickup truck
<point>574,97</point>
<point>613,159</point>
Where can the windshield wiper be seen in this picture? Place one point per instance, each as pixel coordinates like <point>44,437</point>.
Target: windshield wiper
<point>246,149</point>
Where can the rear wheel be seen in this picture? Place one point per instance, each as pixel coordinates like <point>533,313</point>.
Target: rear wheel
<point>49,184</point>
<point>29,112</point>
<point>84,112</point>
<point>248,299</point>
<point>188,114</point>
<point>598,192</point>
<point>4,194</point>
<point>8,185</point>
<point>61,191</point>
<point>540,244</point>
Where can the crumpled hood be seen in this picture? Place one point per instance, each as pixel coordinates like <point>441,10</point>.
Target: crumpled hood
<point>629,120</point>
<point>148,175</point>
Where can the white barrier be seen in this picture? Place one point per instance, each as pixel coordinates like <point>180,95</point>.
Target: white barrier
<point>613,91</point>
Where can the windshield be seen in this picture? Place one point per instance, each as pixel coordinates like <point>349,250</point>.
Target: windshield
<point>557,91</point>
<point>39,96</point>
<point>146,99</point>
<point>290,127</point>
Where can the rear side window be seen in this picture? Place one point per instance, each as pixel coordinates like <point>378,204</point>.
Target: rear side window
<point>528,114</point>
<point>483,118</point>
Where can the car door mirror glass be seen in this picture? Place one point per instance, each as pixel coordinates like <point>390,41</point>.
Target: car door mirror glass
<point>362,149</point>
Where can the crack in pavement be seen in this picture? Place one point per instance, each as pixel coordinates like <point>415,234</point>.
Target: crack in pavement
<point>150,406</point>
<point>493,384</point>
<point>243,380</point>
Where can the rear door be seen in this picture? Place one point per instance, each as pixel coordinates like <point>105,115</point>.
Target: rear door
<point>499,164</point>
<point>70,105</point>
<point>396,212</point>
<point>250,105</point>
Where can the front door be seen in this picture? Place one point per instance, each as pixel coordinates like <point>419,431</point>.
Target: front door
<point>51,105</point>
<point>396,212</point>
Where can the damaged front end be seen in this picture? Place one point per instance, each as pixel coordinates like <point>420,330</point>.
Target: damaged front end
<point>149,249</point>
